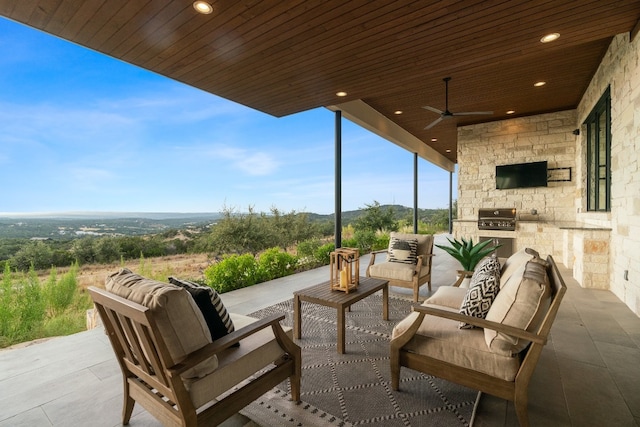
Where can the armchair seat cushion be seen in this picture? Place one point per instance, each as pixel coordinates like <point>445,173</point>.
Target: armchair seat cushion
<point>236,364</point>
<point>441,339</point>
<point>393,270</point>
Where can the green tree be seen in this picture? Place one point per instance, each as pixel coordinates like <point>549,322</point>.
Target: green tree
<point>375,218</point>
<point>37,254</point>
<point>84,251</point>
<point>107,249</point>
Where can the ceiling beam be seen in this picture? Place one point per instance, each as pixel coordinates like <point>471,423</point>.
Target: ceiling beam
<point>367,117</point>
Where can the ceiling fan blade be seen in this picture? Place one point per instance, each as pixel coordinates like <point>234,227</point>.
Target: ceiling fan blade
<point>433,123</point>
<point>474,113</point>
<point>435,110</point>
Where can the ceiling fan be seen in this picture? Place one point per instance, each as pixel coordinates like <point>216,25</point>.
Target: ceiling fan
<point>446,114</point>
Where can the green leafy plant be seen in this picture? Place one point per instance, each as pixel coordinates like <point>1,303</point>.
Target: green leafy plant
<point>274,263</point>
<point>468,253</point>
<point>322,254</point>
<point>233,272</point>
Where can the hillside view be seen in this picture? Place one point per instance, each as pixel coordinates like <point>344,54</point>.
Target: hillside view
<point>48,262</point>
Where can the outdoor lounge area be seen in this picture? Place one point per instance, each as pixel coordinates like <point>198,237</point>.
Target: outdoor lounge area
<point>547,83</point>
<point>587,375</point>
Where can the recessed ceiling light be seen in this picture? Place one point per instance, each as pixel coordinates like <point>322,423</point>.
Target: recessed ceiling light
<point>341,93</point>
<point>550,37</point>
<point>434,139</point>
<point>448,151</point>
<point>202,7</point>
<point>511,111</point>
<point>397,112</point>
<point>538,84</point>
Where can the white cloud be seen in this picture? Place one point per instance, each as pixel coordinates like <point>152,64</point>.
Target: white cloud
<point>254,163</point>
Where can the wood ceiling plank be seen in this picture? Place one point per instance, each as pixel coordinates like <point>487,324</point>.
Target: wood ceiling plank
<point>343,40</point>
<point>297,31</point>
<point>157,32</point>
<point>21,11</point>
<point>121,24</point>
<point>357,70</point>
<point>220,39</point>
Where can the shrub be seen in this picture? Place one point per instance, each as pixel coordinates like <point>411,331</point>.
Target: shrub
<point>322,254</point>
<point>365,240</point>
<point>307,248</point>
<point>381,242</point>
<point>59,294</point>
<point>233,272</point>
<point>23,309</point>
<point>275,263</point>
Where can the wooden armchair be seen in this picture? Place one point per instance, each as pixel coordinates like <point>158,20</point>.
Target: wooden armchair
<point>265,357</point>
<point>430,342</point>
<point>406,275</point>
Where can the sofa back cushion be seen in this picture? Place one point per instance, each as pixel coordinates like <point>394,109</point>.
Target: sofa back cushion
<point>522,302</point>
<point>174,311</point>
<point>514,262</point>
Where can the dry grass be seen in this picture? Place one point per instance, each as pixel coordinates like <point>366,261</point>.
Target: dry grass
<point>186,266</point>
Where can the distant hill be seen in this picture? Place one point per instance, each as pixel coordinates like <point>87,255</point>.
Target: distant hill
<point>398,210</point>
<point>68,225</point>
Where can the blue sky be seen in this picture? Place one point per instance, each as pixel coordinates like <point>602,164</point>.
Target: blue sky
<point>80,131</point>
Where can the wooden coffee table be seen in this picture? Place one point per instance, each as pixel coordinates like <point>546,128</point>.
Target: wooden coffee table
<point>323,295</point>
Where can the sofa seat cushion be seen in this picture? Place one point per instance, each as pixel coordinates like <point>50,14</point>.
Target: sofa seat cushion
<point>236,364</point>
<point>521,303</point>
<point>448,296</point>
<point>174,311</point>
<point>441,339</point>
<point>393,270</point>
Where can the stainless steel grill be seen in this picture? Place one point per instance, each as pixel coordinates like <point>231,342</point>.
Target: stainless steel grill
<point>497,219</point>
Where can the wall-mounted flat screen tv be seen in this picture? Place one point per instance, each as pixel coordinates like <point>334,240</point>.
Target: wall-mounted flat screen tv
<point>521,175</point>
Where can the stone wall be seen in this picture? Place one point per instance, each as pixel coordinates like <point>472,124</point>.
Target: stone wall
<point>620,68</point>
<point>528,139</point>
<point>602,248</point>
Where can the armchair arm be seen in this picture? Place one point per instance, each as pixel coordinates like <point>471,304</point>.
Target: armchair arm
<point>482,323</point>
<point>225,342</point>
<point>373,254</point>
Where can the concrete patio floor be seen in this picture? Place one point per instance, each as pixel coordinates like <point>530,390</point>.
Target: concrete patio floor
<point>588,375</point>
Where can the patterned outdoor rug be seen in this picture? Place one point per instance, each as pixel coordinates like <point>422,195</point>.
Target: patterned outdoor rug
<point>355,388</point>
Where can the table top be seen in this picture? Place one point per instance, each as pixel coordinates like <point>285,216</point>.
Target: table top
<point>322,292</point>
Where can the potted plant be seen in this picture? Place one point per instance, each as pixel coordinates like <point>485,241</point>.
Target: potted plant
<point>468,253</point>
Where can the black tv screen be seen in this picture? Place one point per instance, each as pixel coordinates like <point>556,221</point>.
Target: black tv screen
<point>521,175</point>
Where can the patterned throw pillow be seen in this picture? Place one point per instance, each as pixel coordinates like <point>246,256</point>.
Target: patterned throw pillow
<point>404,251</point>
<point>482,291</point>
<point>211,306</point>
<point>489,264</point>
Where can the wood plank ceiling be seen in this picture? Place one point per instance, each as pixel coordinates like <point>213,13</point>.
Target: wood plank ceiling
<point>283,57</point>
